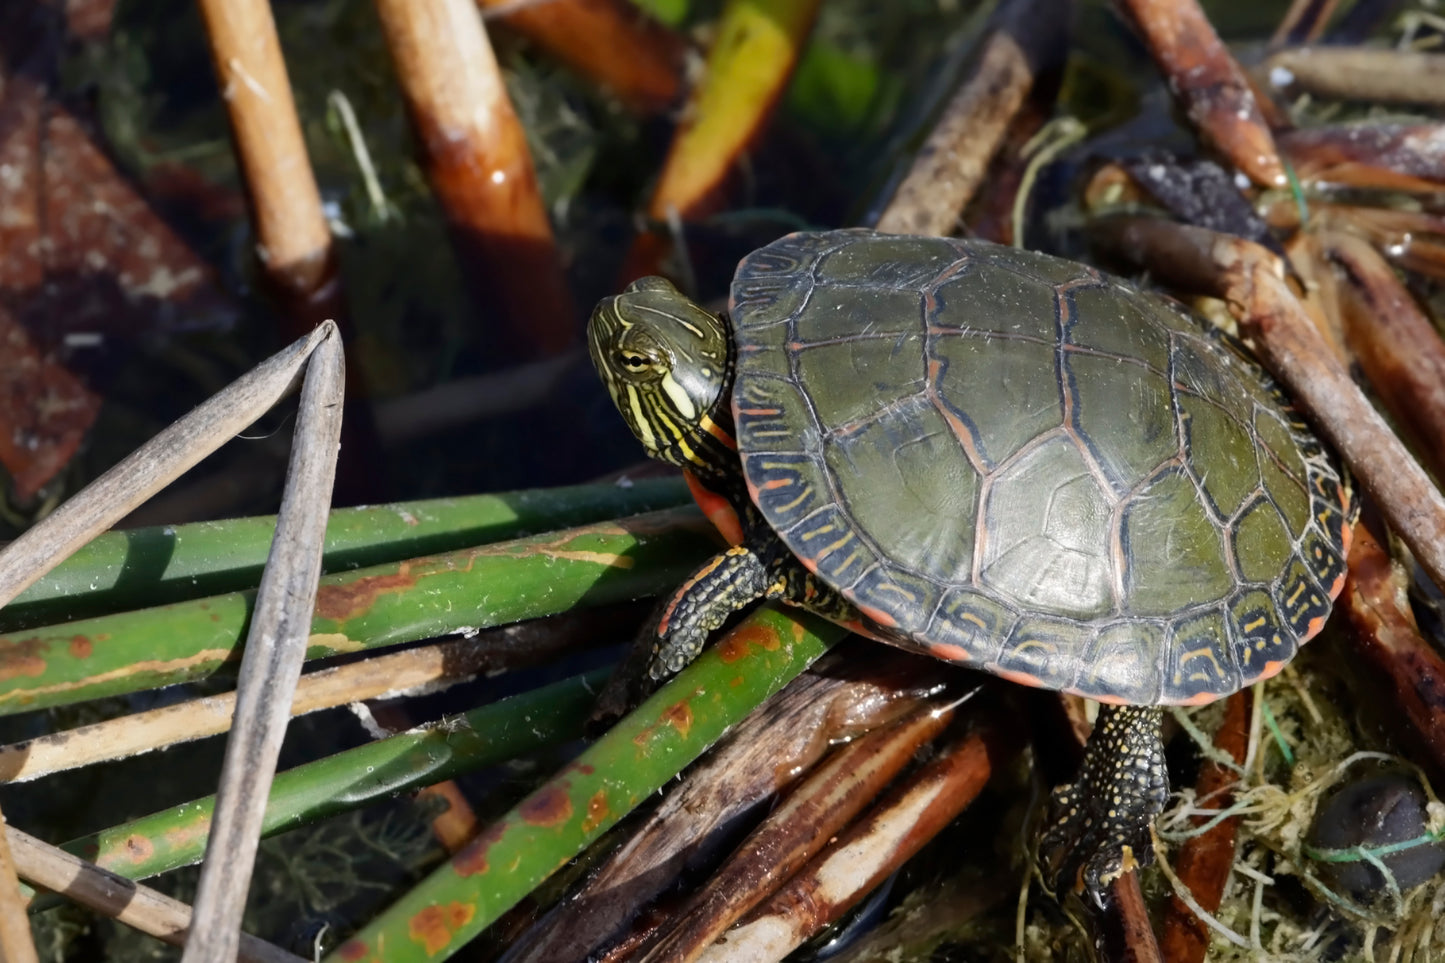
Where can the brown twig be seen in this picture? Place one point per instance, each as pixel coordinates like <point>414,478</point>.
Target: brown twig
<point>841,697</point>
<point>1403,157</point>
<point>1125,932</point>
<point>124,900</point>
<point>794,832</point>
<point>293,240</point>
<point>271,662</point>
<point>1204,861</point>
<point>1303,22</point>
<point>480,168</point>
<point>1319,290</point>
<point>1209,84</point>
<point>870,850</point>
<point>152,466</point>
<point>1363,74</point>
<point>1412,240</point>
<point>1027,38</point>
<point>1249,278</point>
<point>1385,635</point>
<point>611,42</point>
<point>430,666</point>
<point>1396,345</point>
<point>16,943</point>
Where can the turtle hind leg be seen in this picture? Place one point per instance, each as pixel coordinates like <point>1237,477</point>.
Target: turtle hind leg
<point>1099,825</point>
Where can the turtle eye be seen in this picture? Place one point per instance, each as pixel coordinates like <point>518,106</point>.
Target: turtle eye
<point>633,361</point>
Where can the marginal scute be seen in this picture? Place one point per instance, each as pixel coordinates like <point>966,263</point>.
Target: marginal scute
<point>1258,636</point>
<point>1300,599</point>
<point>769,299</point>
<point>1201,660</point>
<point>766,416</point>
<point>827,543</point>
<point>1049,652</point>
<point>971,620</point>
<point>1126,659</point>
<point>1020,463</point>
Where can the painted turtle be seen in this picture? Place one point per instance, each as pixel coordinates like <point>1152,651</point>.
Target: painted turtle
<point>999,458</point>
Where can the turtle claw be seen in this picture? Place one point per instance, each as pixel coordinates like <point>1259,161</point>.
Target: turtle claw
<point>1086,849</point>
<point>1100,826</point>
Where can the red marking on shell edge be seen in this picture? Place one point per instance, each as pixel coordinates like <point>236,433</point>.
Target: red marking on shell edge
<point>1204,698</point>
<point>472,858</point>
<point>1270,670</point>
<point>717,509</point>
<point>868,632</point>
<point>880,616</point>
<point>1347,541</point>
<point>1022,678</point>
<point>434,926</point>
<point>549,806</point>
<point>949,653</point>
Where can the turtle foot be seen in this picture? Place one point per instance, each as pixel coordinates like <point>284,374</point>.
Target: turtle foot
<point>1099,826</point>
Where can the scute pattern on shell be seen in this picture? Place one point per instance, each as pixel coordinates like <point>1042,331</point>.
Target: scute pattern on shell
<point>1019,462</point>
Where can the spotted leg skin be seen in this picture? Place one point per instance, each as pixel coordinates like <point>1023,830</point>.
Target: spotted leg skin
<point>728,582</point>
<point>1099,826</point>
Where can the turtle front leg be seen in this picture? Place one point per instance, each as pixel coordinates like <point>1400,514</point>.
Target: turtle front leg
<point>728,582</point>
<point>1099,825</point>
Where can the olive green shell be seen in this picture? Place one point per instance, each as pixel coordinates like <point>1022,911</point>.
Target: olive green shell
<point>1021,463</point>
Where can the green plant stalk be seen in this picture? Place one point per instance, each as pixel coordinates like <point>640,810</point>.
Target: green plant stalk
<point>416,599</point>
<point>635,759</point>
<point>153,566</point>
<point>349,780</point>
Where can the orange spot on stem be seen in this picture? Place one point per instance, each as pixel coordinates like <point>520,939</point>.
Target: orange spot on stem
<point>22,657</point>
<point>472,858</point>
<point>597,811</point>
<point>433,927</point>
<point>738,643</point>
<point>549,806</point>
<point>342,602</point>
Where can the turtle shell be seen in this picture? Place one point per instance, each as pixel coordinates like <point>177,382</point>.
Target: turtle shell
<point>1021,463</point>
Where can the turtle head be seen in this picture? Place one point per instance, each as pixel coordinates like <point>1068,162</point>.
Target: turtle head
<point>666,363</point>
